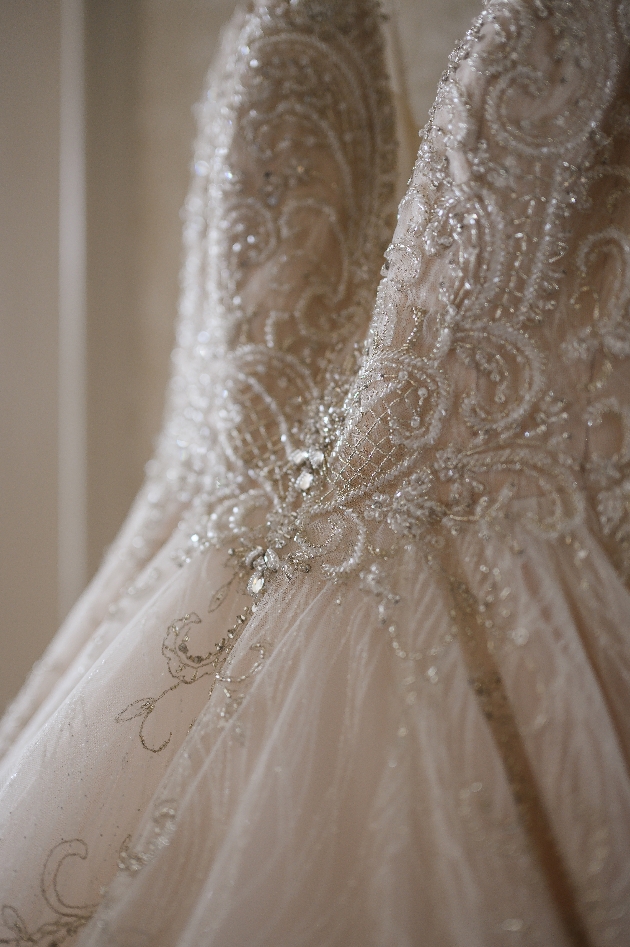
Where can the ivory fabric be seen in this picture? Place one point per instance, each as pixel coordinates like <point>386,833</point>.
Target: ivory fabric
<point>357,671</point>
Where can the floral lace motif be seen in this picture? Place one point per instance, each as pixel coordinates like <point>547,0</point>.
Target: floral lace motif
<point>492,388</point>
<point>493,377</point>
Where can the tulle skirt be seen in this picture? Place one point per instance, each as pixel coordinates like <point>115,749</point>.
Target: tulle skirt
<point>441,763</point>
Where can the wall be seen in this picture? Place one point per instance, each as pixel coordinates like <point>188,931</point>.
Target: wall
<point>146,63</point>
<point>29,258</point>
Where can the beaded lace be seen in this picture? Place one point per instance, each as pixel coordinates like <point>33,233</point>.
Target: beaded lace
<point>494,368</point>
<point>287,222</point>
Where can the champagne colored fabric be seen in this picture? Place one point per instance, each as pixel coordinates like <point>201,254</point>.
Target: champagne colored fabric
<point>372,689</point>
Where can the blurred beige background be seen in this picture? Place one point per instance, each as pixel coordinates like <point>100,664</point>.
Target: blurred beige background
<point>96,128</point>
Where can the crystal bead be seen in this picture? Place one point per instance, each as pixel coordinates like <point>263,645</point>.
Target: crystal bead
<point>251,557</point>
<point>316,458</point>
<point>256,584</point>
<point>299,457</point>
<point>305,480</point>
<point>272,560</point>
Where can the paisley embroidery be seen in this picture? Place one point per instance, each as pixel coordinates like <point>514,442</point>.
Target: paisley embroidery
<point>459,413</point>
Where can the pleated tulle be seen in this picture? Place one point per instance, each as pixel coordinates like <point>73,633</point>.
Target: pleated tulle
<point>349,799</point>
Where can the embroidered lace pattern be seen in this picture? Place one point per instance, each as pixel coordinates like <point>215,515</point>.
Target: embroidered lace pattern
<point>287,223</point>
<point>492,379</point>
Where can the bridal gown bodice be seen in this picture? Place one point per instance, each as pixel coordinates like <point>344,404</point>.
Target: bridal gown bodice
<point>368,678</point>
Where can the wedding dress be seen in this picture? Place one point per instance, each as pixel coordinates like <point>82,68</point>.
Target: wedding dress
<point>357,670</point>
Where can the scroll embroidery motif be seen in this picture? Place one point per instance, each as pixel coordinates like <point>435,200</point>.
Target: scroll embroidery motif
<point>69,919</point>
